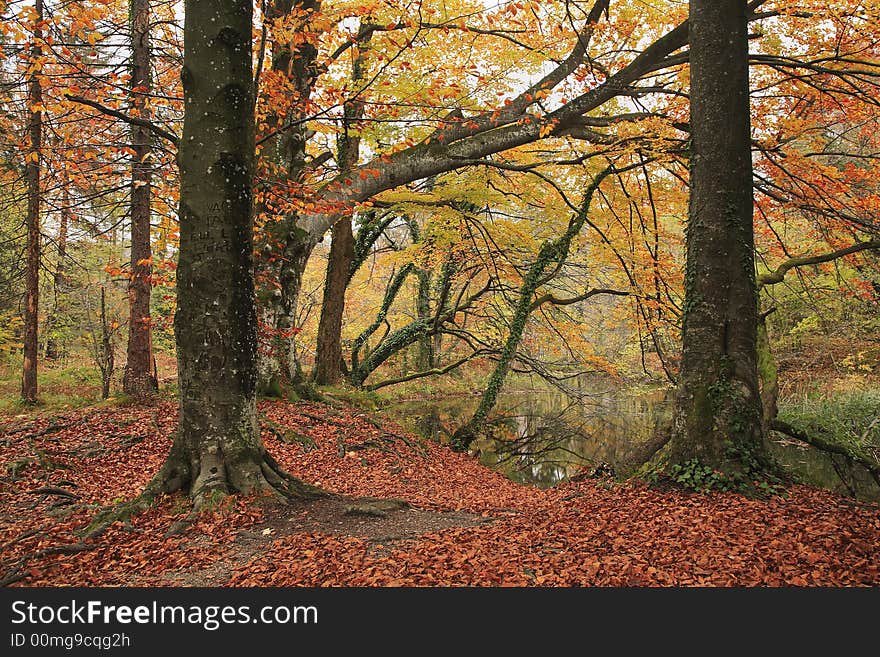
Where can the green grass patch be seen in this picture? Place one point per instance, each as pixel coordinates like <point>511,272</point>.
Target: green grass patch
<point>849,418</point>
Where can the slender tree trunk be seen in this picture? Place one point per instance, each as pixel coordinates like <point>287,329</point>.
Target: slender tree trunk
<point>107,357</point>
<point>218,447</point>
<point>444,287</point>
<point>425,355</point>
<point>138,380</point>
<point>54,348</point>
<point>718,413</point>
<point>32,266</point>
<point>328,352</point>
<point>297,251</point>
<point>288,149</point>
<point>551,253</point>
<point>768,374</point>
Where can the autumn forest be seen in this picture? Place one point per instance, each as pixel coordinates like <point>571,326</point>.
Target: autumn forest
<point>419,293</point>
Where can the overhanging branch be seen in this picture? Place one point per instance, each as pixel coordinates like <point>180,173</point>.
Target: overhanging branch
<point>122,116</point>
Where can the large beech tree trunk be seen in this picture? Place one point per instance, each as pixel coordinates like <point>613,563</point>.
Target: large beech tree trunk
<point>138,379</point>
<point>218,446</point>
<point>32,266</point>
<point>718,413</point>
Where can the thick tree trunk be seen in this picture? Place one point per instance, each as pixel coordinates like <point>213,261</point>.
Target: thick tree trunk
<point>288,149</point>
<point>328,353</point>
<point>138,380</point>
<point>54,347</point>
<point>32,266</point>
<point>218,446</point>
<point>718,414</point>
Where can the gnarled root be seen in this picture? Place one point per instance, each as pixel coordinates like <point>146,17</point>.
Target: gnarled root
<point>216,479</point>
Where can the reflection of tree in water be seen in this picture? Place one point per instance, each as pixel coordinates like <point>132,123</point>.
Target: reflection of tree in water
<point>545,446</point>
<point>543,438</point>
<point>833,471</point>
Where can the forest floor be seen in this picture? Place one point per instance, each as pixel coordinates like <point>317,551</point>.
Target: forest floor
<point>455,522</point>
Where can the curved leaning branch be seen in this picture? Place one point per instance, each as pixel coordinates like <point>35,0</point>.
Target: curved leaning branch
<point>871,464</point>
<point>778,274</point>
<point>552,253</point>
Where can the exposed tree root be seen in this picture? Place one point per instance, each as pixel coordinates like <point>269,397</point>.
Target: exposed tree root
<point>16,572</point>
<point>214,482</point>
<point>388,436</point>
<point>287,435</point>
<point>462,438</point>
<point>55,425</point>
<point>307,391</point>
<point>644,453</point>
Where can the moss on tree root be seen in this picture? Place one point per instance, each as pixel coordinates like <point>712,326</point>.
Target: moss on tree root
<point>270,480</point>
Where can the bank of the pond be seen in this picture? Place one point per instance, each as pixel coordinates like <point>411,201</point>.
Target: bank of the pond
<point>543,437</point>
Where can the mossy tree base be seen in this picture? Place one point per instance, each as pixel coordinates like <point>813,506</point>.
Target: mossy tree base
<point>249,474</point>
<point>462,438</point>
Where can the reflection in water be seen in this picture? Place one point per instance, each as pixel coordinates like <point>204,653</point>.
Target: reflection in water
<point>544,437</point>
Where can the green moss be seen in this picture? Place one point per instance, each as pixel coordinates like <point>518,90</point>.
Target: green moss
<point>767,370</point>
<point>551,253</point>
<point>214,499</point>
<point>361,371</point>
<point>357,397</point>
<point>271,388</point>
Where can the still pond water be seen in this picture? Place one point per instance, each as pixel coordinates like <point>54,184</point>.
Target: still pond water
<point>546,437</point>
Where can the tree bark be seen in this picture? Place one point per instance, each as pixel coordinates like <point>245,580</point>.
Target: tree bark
<point>425,354</point>
<point>107,357</point>
<point>328,352</point>
<point>718,417</point>
<point>288,149</point>
<point>54,347</point>
<point>768,374</point>
<point>32,173</point>
<point>218,447</point>
<point>138,379</point>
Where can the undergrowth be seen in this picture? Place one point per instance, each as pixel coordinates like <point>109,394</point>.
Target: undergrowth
<point>849,418</point>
